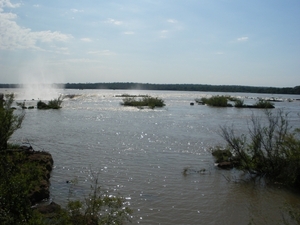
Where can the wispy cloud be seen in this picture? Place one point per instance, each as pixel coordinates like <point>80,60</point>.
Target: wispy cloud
<point>172,21</point>
<point>13,36</point>
<point>128,32</point>
<point>113,21</point>
<point>163,33</point>
<point>102,52</point>
<point>36,6</point>
<point>242,39</point>
<point>76,10</point>
<point>86,39</point>
<point>82,60</point>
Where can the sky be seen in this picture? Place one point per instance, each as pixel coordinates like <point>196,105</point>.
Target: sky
<point>217,42</point>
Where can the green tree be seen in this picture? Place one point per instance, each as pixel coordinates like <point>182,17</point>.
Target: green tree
<point>10,121</point>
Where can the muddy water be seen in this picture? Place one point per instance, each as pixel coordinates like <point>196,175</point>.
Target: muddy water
<point>141,154</point>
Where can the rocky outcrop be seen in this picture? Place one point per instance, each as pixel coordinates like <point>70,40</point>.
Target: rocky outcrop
<point>44,162</point>
<point>49,211</point>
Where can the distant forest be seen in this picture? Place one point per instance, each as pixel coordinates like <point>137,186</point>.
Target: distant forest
<point>172,87</point>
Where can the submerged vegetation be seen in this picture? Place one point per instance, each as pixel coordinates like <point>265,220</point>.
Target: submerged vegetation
<point>148,101</point>
<point>270,150</point>
<point>52,104</point>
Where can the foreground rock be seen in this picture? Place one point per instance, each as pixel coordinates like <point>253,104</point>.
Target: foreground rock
<point>40,161</point>
<point>44,161</point>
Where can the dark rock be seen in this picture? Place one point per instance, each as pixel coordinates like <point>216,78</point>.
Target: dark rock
<point>51,208</point>
<point>49,211</point>
<point>45,163</point>
<point>225,165</point>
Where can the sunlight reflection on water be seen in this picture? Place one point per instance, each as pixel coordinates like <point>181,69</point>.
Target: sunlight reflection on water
<point>141,155</point>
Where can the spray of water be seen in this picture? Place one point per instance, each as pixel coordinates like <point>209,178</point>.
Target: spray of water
<point>38,82</point>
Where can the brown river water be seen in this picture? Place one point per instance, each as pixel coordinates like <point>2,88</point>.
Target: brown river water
<point>141,154</point>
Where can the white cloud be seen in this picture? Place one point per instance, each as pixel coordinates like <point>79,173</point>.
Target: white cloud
<point>163,33</point>
<point>76,10</point>
<point>128,32</point>
<point>8,4</point>
<point>115,22</point>
<point>243,39</point>
<point>12,36</point>
<point>103,52</point>
<point>86,39</point>
<point>82,60</point>
<point>171,21</point>
<point>36,6</point>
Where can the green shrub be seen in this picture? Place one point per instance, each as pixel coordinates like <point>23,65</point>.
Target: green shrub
<point>52,104</point>
<point>263,104</point>
<point>239,103</point>
<point>98,208</point>
<point>10,121</point>
<point>270,150</point>
<point>220,101</point>
<point>221,155</point>
<point>150,102</point>
<point>17,179</point>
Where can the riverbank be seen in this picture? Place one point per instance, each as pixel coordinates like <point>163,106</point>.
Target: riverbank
<point>39,161</point>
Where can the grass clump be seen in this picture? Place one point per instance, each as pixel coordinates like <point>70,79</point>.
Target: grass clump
<point>52,104</point>
<point>150,102</point>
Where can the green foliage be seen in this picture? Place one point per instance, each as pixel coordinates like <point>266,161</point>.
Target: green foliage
<point>151,102</point>
<point>263,104</point>
<point>239,103</point>
<point>222,155</point>
<point>220,101</point>
<point>10,121</point>
<point>98,208</point>
<point>52,104</point>
<point>17,179</point>
<point>270,150</point>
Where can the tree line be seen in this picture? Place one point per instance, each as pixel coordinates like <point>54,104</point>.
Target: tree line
<point>172,87</point>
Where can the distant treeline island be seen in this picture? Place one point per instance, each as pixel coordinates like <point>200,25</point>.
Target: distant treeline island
<point>170,87</point>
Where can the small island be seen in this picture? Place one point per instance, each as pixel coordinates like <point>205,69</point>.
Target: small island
<point>223,101</point>
<point>148,101</point>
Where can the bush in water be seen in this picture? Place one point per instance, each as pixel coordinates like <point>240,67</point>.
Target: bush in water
<point>272,151</point>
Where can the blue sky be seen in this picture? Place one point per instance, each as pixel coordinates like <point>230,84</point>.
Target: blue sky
<point>219,42</point>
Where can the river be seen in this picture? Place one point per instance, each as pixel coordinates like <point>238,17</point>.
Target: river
<point>141,154</point>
